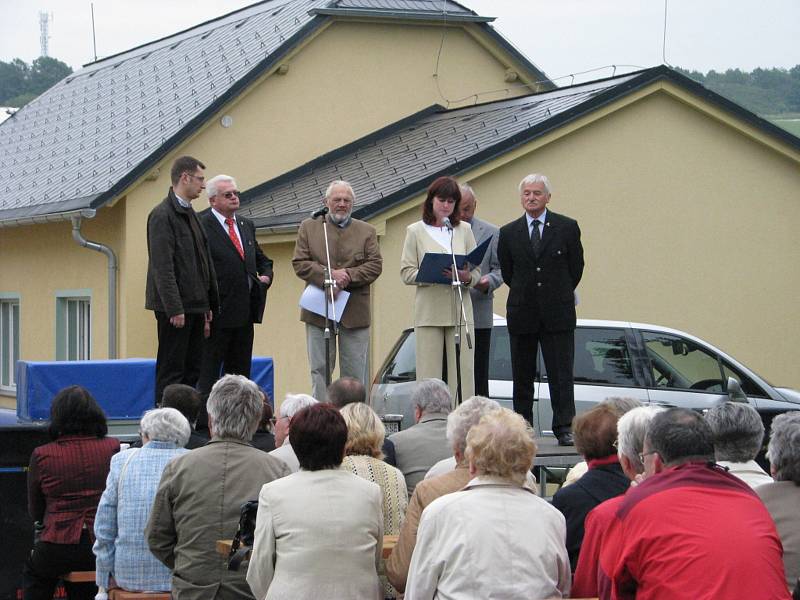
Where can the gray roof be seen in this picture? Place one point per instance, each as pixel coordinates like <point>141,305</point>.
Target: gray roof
<point>399,161</point>
<point>87,138</point>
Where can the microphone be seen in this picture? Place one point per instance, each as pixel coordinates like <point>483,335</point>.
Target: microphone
<point>447,223</point>
<point>320,213</point>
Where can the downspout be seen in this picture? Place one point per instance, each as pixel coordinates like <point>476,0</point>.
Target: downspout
<point>112,280</point>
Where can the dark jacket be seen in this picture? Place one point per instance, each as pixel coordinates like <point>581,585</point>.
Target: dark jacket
<point>180,274</point>
<point>541,287</point>
<point>236,294</point>
<point>575,501</point>
<point>65,481</point>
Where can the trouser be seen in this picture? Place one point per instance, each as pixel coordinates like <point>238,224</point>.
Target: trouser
<point>483,340</point>
<point>353,347</point>
<point>228,350</point>
<point>48,562</point>
<point>430,343</point>
<point>180,351</point>
<point>558,351</point>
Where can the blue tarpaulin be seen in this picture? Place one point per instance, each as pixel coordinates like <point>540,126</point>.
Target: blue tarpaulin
<point>123,388</point>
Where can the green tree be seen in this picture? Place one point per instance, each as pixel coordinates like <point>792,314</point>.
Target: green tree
<point>13,79</point>
<point>45,72</point>
<point>20,83</point>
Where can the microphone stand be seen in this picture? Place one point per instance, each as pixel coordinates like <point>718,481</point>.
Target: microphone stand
<point>328,284</point>
<point>462,317</point>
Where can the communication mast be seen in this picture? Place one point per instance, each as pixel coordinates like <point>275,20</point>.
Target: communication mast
<point>44,34</point>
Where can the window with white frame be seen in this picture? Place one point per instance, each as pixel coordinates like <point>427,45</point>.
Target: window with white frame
<point>9,342</point>
<point>73,327</point>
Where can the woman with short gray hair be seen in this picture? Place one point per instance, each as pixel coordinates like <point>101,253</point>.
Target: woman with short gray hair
<point>120,547</point>
<point>783,496</point>
<point>738,433</point>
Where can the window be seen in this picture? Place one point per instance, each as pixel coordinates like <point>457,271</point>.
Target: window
<point>403,367</point>
<point>73,327</point>
<point>679,363</point>
<point>602,357</point>
<point>500,355</point>
<point>9,342</point>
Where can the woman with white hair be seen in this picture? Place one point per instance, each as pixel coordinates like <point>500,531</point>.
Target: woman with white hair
<point>465,545</point>
<point>122,556</point>
<point>782,498</point>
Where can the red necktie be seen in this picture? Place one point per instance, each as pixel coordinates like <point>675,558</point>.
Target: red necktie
<point>234,237</point>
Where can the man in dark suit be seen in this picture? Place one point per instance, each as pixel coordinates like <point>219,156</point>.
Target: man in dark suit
<point>181,284</point>
<point>243,274</point>
<point>541,259</point>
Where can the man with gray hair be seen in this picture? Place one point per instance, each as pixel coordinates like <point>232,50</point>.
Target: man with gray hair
<point>418,448</point>
<point>738,433</point>
<point>631,429</point>
<point>291,405</point>
<point>482,293</point>
<point>200,495</point>
<point>541,258</point>
<point>244,273</point>
<point>690,529</point>
<point>459,422</point>
<point>355,262</point>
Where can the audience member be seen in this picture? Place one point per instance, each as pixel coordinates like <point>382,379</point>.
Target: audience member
<point>631,430</point>
<point>459,422</point>
<point>319,532</point>
<point>365,433</point>
<point>416,449</point>
<point>467,547</point>
<point>782,498</point>
<point>690,529</point>
<point>186,399</point>
<point>595,433</point>
<point>291,405</point>
<point>201,493</point>
<point>346,390</point>
<point>264,437</point>
<point>65,481</point>
<point>620,405</point>
<point>738,434</point>
<point>120,547</point>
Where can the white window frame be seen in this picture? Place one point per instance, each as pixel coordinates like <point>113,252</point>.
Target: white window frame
<point>9,340</point>
<point>73,325</point>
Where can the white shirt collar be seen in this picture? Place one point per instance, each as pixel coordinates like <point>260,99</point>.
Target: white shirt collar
<point>541,218</point>
<point>221,218</point>
<point>181,201</point>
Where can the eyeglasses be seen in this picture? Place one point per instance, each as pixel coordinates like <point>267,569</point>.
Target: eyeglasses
<point>643,454</point>
<point>231,194</point>
<point>199,178</point>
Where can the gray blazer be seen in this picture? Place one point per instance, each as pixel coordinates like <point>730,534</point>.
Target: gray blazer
<point>490,266</point>
<point>199,502</point>
<point>420,447</point>
<point>319,534</point>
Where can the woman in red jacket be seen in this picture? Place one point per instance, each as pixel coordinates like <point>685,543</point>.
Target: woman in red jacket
<point>65,480</point>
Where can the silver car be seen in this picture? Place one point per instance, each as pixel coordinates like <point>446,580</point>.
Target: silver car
<point>612,358</point>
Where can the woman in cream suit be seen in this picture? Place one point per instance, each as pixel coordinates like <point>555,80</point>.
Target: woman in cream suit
<point>319,532</point>
<point>436,307</point>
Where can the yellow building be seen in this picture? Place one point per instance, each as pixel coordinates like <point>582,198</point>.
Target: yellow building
<point>687,202</point>
<point>253,94</point>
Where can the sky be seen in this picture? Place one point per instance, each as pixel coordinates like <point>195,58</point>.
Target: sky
<point>563,37</point>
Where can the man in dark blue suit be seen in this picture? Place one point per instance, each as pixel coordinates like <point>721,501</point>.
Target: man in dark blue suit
<point>541,259</point>
<point>243,274</point>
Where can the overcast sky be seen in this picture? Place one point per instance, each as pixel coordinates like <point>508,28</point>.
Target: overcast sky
<point>560,36</point>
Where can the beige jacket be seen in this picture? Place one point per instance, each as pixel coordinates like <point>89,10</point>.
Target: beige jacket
<point>354,248</point>
<point>426,492</point>
<point>199,502</point>
<point>433,303</point>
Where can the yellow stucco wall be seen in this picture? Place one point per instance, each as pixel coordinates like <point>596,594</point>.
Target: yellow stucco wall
<point>686,222</point>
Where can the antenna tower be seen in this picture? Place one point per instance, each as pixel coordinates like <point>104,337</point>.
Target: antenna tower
<point>44,35</point>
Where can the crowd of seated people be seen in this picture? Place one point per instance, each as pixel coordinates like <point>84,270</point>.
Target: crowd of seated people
<point>672,504</point>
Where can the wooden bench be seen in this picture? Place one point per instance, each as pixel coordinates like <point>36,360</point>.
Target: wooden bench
<point>79,577</point>
<point>120,594</point>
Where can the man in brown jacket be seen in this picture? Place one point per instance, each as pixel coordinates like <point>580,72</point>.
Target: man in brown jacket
<point>355,263</point>
<point>181,282</point>
<point>201,493</point>
<point>459,422</point>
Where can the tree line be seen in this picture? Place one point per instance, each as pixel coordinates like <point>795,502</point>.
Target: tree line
<point>20,82</point>
<point>766,92</point>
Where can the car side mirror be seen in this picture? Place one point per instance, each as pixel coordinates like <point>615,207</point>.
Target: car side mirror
<point>735,392</point>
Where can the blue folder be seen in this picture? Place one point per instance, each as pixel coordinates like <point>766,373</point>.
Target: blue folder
<point>433,263</point>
